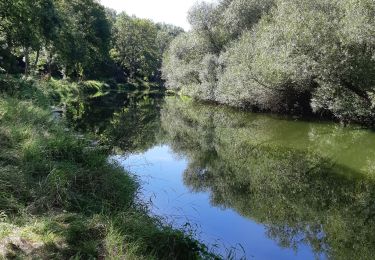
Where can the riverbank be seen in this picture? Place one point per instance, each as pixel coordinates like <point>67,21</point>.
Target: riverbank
<point>59,195</point>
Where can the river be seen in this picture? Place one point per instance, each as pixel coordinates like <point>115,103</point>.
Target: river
<point>251,185</point>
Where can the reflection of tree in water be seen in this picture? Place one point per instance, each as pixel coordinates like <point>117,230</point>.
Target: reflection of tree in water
<point>127,121</point>
<point>299,195</point>
<point>135,127</point>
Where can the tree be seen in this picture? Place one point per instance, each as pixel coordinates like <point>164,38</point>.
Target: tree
<point>84,37</point>
<point>20,27</point>
<point>166,34</point>
<point>241,15</point>
<point>205,21</point>
<point>28,26</point>
<point>183,62</point>
<point>290,56</point>
<point>135,48</point>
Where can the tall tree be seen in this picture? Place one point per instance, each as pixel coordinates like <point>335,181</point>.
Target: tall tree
<point>135,48</point>
<point>84,37</point>
<point>27,26</point>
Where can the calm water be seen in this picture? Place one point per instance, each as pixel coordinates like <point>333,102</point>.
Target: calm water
<point>272,188</point>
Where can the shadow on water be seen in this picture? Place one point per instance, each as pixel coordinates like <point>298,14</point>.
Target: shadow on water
<point>307,183</point>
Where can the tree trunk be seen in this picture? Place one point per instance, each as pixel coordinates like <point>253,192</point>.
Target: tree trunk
<point>49,65</point>
<point>27,61</point>
<point>64,71</point>
<point>36,60</point>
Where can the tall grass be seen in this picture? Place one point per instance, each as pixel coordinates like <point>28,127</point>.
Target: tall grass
<point>61,197</point>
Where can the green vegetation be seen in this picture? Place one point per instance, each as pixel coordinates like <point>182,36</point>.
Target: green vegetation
<point>123,121</point>
<point>80,40</point>
<point>307,183</point>
<point>291,56</point>
<point>139,45</point>
<point>59,195</point>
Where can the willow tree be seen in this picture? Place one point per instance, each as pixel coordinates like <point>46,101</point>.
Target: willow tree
<point>294,56</point>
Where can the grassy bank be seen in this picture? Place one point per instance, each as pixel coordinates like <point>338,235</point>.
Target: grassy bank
<point>59,196</point>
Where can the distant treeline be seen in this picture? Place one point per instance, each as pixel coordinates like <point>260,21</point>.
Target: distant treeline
<point>79,39</point>
<point>290,56</point>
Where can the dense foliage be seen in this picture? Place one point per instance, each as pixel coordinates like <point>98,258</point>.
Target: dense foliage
<point>79,39</point>
<point>137,45</point>
<point>279,55</point>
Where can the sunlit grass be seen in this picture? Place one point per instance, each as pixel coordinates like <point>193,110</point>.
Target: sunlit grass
<point>59,196</point>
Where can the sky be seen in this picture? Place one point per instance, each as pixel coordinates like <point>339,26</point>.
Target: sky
<point>167,11</point>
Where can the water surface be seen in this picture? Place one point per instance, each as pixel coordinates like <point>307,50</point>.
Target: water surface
<point>272,187</point>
